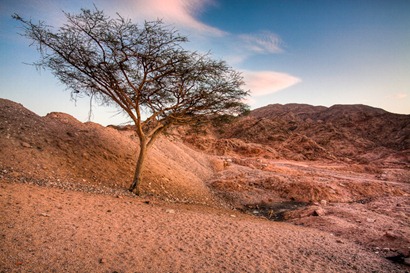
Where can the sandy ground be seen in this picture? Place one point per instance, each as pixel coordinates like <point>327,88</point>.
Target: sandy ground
<point>45,229</point>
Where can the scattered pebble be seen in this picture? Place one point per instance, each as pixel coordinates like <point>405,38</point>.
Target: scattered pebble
<point>170,211</point>
<point>25,145</point>
<point>319,212</point>
<point>390,235</point>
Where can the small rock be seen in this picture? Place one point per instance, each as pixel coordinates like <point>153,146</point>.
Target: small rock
<point>25,144</point>
<point>255,212</point>
<point>319,212</point>
<point>370,220</point>
<point>71,134</point>
<point>44,214</point>
<point>386,249</point>
<point>339,241</point>
<point>323,203</point>
<point>390,235</point>
<point>102,261</point>
<point>170,211</point>
<point>233,215</point>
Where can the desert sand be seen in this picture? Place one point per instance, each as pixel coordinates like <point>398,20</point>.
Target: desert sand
<point>53,230</point>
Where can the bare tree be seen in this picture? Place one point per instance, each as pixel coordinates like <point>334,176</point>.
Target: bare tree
<point>142,69</point>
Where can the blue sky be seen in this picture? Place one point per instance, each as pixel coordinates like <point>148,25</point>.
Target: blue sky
<point>289,51</point>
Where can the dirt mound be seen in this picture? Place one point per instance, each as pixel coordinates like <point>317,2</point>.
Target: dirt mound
<point>59,149</point>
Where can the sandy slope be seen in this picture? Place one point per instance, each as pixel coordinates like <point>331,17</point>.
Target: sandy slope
<point>58,147</point>
<point>45,229</point>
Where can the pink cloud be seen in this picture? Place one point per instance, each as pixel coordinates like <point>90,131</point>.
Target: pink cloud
<point>267,82</point>
<point>179,12</point>
<point>400,96</point>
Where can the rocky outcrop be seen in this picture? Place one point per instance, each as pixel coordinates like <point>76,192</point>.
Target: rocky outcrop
<point>342,132</point>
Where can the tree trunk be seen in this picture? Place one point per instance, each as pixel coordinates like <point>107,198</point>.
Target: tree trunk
<point>138,169</point>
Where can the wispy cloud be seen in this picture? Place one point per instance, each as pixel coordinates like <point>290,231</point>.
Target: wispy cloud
<point>267,82</point>
<point>237,49</point>
<point>400,96</point>
<point>397,96</point>
<point>182,13</point>
<point>262,42</point>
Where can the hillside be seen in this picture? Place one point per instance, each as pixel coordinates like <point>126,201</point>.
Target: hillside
<point>58,149</point>
<point>346,133</point>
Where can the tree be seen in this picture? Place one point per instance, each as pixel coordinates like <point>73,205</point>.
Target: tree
<point>142,69</point>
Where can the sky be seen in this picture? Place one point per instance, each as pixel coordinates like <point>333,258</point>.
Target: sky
<point>318,52</point>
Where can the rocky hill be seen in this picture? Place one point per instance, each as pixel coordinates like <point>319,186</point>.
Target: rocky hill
<point>347,133</point>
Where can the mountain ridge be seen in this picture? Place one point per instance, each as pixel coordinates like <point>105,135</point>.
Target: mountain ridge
<point>347,132</point>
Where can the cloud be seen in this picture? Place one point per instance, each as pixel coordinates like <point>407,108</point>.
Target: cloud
<point>179,12</point>
<point>262,42</point>
<point>237,49</point>
<point>400,96</point>
<point>267,82</point>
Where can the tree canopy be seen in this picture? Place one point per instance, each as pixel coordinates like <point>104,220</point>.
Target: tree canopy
<point>142,69</point>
